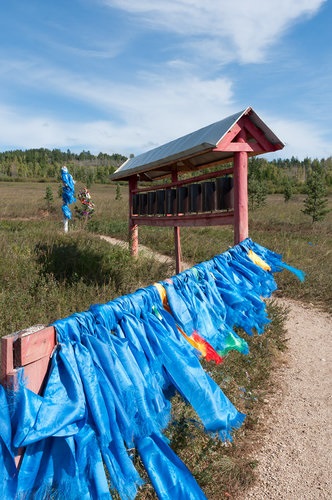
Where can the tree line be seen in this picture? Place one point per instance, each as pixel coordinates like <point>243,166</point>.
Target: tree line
<point>312,178</point>
<point>278,175</point>
<point>287,176</point>
<point>274,176</point>
<point>45,164</point>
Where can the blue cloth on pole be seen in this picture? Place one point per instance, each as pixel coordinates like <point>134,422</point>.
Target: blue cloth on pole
<point>66,212</point>
<point>68,192</point>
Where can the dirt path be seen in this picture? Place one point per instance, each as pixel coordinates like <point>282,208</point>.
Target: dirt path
<point>295,458</point>
<point>145,251</point>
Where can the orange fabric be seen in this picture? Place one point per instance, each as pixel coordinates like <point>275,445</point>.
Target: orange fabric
<point>211,353</point>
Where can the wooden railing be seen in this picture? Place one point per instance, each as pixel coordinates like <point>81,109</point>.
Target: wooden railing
<point>30,349</point>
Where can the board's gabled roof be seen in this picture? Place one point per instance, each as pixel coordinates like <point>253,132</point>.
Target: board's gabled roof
<point>160,161</point>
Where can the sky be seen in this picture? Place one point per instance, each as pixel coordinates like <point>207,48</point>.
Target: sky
<point>125,76</point>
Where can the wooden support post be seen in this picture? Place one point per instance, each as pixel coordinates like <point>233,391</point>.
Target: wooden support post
<point>240,193</point>
<point>26,353</point>
<point>177,236</point>
<point>28,349</point>
<point>178,255</point>
<point>7,360</point>
<point>133,227</point>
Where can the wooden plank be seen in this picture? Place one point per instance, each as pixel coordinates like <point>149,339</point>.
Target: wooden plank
<point>35,373</point>
<point>7,357</point>
<point>208,219</point>
<point>28,349</point>
<point>244,146</point>
<point>31,346</point>
<point>255,132</point>
<point>190,180</point>
<point>230,136</point>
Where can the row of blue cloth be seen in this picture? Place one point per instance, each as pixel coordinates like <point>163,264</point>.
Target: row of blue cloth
<point>112,376</point>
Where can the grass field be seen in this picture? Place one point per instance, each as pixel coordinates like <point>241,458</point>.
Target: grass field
<point>47,275</point>
<point>278,225</point>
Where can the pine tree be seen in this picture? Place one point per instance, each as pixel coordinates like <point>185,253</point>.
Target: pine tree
<point>315,204</point>
<point>257,193</point>
<point>288,191</point>
<point>118,192</point>
<point>49,198</point>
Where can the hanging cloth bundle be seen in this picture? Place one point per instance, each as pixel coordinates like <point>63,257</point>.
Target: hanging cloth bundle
<point>68,192</point>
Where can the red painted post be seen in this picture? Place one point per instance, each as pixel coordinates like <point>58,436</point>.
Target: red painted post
<point>240,193</point>
<point>7,358</point>
<point>29,349</point>
<point>133,227</point>
<point>178,255</point>
<point>177,236</point>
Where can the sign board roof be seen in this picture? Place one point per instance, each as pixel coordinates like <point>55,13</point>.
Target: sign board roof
<point>197,149</point>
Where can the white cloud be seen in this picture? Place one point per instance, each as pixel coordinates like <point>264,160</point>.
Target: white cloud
<point>153,98</point>
<point>301,139</point>
<point>240,30</point>
<point>160,103</point>
<point>145,130</point>
<point>19,128</point>
<point>157,110</point>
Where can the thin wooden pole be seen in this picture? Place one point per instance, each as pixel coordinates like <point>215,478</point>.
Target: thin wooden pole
<point>241,193</point>
<point>133,227</point>
<point>178,254</point>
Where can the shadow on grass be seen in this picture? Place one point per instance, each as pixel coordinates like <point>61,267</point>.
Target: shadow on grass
<point>69,264</point>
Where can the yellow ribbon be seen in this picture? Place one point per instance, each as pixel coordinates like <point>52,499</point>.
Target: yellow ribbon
<point>258,261</point>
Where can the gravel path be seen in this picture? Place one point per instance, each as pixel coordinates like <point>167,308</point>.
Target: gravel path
<point>295,455</point>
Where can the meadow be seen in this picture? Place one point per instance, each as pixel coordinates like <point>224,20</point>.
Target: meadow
<point>47,275</point>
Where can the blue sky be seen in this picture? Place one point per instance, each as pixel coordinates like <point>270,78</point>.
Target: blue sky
<point>124,76</point>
